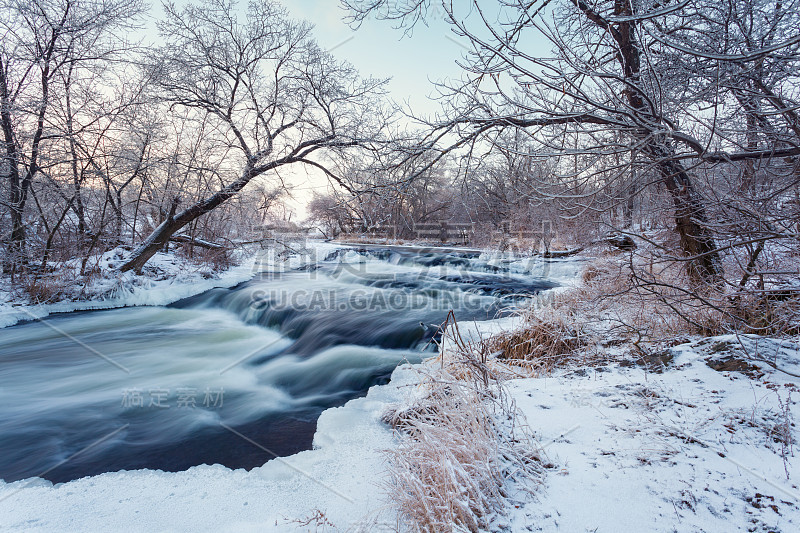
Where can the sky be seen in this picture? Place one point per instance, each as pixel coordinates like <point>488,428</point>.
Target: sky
<point>380,50</point>
<point>413,62</point>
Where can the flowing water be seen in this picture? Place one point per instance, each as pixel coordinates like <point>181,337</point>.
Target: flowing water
<point>232,376</point>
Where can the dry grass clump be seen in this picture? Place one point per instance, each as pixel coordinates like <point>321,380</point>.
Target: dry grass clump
<point>541,346</point>
<point>45,289</point>
<point>566,330</point>
<point>448,471</point>
<point>639,305</point>
<point>464,448</point>
<point>608,309</point>
<point>607,274</point>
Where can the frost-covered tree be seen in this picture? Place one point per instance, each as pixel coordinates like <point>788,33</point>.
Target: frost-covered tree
<point>267,94</point>
<point>625,86</point>
<point>46,47</point>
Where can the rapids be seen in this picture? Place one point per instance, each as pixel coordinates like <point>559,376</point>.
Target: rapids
<point>232,376</point>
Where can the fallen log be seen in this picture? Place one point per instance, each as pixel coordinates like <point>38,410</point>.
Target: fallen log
<point>555,254</point>
<point>185,239</point>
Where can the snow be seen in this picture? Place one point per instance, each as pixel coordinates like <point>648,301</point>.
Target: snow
<point>564,271</point>
<point>685,449</point>
<point>689,449</point>
<point>175,279</point>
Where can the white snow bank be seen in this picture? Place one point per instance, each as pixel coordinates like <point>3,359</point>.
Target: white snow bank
<point>564,271</point>
<point>690,449</point>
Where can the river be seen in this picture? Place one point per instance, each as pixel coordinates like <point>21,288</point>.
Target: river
<point>232,376</point>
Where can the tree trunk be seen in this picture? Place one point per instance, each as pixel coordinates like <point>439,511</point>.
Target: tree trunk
<point>16,240</point>
<point>161,235</point>
<point>628,205</point>
<point>697,241</point>
<point>76,176</point>
<point>157,240</point>
<point>118,215</point>
<point>749,172</point>
<point>19,187</point>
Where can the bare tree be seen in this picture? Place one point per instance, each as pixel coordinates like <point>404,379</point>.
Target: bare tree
<point>44,44</point>
<point>603,93</point>
<point>271,98</point>
<point>330,213</point>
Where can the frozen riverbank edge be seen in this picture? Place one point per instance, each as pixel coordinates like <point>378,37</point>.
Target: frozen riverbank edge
<point>176,279</point>
<point>338,480</point>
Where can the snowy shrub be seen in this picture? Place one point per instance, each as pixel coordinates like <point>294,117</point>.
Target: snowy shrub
<point>464,449</point>
<point>540,346</point>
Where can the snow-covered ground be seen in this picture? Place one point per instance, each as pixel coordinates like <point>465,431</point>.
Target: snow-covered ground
<point>699,437</point>
<point>687,449</point>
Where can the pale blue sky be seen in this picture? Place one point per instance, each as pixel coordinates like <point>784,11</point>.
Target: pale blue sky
<point>412,61</point>
<point>378,49</point>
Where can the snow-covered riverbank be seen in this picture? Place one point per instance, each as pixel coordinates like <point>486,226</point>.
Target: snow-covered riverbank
<point>700,437</point>
<point>687,449</point>
<point>168,280</point>
<point>705,439</point>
